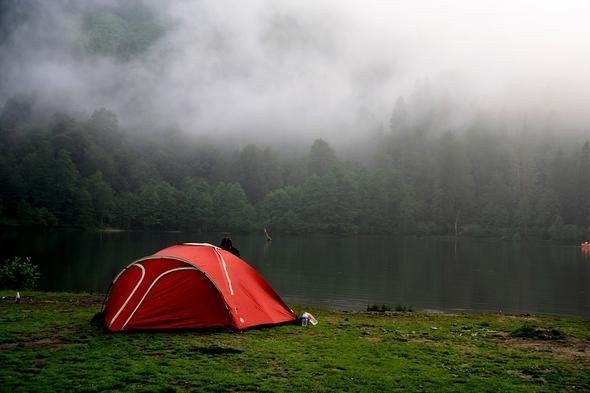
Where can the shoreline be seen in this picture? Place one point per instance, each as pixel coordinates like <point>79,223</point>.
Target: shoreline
<point>8,296</point>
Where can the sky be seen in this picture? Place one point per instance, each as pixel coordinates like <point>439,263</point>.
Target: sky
<point>274,70</point>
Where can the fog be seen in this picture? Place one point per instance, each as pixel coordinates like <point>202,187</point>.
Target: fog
<point>267,70</point>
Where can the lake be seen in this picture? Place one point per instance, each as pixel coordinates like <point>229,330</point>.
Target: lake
<point>342,272</point>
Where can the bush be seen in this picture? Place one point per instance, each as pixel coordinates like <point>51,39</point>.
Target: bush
<point>378,308</point>
<point>527,331</point>
<point>19,273</point>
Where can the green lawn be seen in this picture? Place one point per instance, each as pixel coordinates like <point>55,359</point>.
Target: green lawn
<point>47,344</point>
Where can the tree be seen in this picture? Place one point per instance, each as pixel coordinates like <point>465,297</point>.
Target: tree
<point>159,207</point>
<point>81,213</point>
<point>322,158</point>
<point>415,158</point>
<point>583,188</point>
<point>454,184</point>
<point>385,201</point>
<point>231,208</point>
<point>121,31</point>
<point>523,187</point>
<point>197,205</point>
<point>494,205</point>
<point>103,126</point>
<point>562,181</point>
<point>258,171</point>
<point>50,181</point>
<point>281,210</point>
<point>331,202</point>
<point>65,180</point>
<point>422,107</point>
<point>15,118</point>
<point>16,114</point>
<point>489,157</point>
<point>399,121</point>
<point>11,187</point>
<point>102,197</point>
<point>126,211</point>
<point>545,199</point>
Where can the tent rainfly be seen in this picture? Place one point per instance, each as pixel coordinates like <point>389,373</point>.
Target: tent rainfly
<point>192,286</point>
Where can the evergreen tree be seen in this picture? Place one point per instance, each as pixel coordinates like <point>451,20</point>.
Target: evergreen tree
<point>322,158</point>
<point>583,189</point>
<point>102,197</point>
<point>453,196</point>
<point>399,121</point>
<point>197,205</point>
<point>257,171</point>
<point>50,181</point>
<point>281,210</point>
<point>231,208</point>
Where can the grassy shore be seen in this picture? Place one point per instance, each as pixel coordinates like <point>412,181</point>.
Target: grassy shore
<point>47,344</point>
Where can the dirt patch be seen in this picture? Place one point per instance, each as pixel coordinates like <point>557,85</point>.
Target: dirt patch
<point>568,349</point>
<point>529,375</point>
<point>42,343</point>
<point>86,301</point>
<point>7,346</point>
<point>217,351</point>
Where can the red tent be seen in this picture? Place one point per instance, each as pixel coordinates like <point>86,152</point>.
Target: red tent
<point>191,286</point>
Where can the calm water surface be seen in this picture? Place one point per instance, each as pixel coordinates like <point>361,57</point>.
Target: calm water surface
<point>345,273</point>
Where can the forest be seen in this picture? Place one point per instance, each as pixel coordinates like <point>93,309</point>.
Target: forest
<point>419,174</point>
<point>91,173</point>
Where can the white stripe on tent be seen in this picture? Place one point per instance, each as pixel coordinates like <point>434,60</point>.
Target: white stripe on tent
<point>132,292</point>
<point>224,266</point>
<point>151,286</point>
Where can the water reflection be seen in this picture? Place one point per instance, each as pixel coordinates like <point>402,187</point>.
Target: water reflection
<point>348,273</point>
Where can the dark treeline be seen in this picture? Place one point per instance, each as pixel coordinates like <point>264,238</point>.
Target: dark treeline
<point>413,178</point>
<point>481,182</point>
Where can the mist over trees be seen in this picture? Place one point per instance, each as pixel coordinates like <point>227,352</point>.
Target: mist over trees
<point>298,118</point>
<point>91,173</point>
<point>266,72</point>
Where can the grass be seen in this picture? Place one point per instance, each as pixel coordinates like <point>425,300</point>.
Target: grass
<point>48,345</point>
<point>538,333</point>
